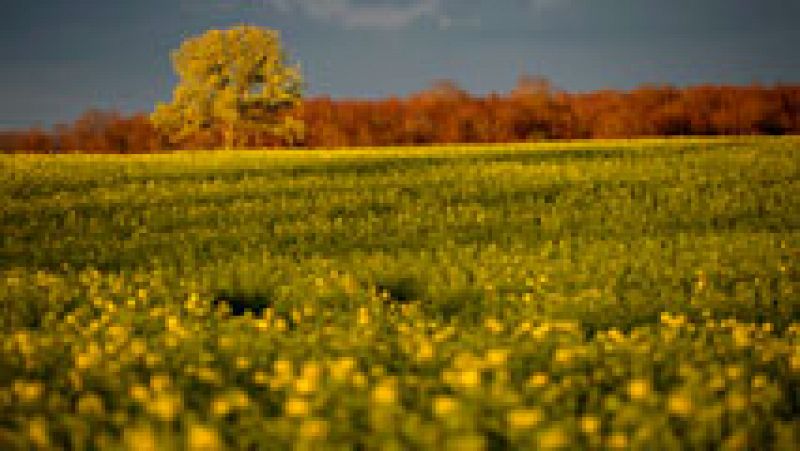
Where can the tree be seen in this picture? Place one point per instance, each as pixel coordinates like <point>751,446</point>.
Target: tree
<point>237,81</point>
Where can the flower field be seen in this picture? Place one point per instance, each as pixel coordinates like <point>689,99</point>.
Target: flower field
<point>587,295</point>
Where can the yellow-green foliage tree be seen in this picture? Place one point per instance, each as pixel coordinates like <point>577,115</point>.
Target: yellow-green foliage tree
<point>237,80</point>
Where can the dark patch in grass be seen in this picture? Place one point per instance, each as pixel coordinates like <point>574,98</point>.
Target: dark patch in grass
<point>401,289</point>
<point>241,302</point>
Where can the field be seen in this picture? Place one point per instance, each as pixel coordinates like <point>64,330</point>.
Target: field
<point>587,295</point>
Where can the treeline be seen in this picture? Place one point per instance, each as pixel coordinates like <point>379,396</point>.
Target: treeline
<point>445,113</point>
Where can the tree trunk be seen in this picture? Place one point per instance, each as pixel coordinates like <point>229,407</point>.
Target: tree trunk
<point>229,137</point>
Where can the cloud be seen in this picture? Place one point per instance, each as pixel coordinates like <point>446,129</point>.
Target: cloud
<point>359,14</point>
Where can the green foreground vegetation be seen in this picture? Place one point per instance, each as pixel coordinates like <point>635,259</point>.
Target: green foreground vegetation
<point>588,295</point>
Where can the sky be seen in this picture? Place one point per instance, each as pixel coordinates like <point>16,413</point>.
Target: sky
<point>59,58</point>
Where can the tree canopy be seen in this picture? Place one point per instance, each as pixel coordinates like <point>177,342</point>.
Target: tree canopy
<point>234,81</point>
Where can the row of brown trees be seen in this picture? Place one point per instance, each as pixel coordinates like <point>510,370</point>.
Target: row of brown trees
<point>446,113</point>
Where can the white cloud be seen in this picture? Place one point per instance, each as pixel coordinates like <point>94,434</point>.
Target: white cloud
<point>356,14</point>
<point>377,14</point>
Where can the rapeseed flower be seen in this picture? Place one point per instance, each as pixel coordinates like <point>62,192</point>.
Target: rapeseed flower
<point>524,418</point>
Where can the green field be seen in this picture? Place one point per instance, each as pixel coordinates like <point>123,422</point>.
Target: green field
<point>587,295</point>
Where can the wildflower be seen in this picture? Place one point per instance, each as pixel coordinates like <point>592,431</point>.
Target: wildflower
<point>140,438</point>
<point>138,393</point>
<point>469,378</point>
<point>679,404</point>
<point>466,443</point>
<point>794,362</point>
<point>553,438</point>
<point>538,380</point>
<point>90,404</point>
<point>496,357</point>
<point>425,352</point>
<point>260,378</point>
<point>220,407</point>
<point>208,375</point>
<point>523,418</point>
<point>296,407</point>
<point>759,381</point>
<point>590,425</point>
<point>242,363</point>
<point>444,406</point>
<point>385,393</point>
<point>736,401</point>
<point>159,382</point>
<point>363,316</point>
<point>638,389</point>
<point>28,392</point>
<point>138,347</point>
<point>618,441</point>
<point>314,429</point>
<point>563,356</point>
<point>165,406</point>
<point>493,325</point>
<point>283,368</point>
<point>203,438</point>
<point>340,369</point>
<point>38,433</point>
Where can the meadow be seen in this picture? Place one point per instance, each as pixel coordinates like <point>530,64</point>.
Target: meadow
<point>639,294</point>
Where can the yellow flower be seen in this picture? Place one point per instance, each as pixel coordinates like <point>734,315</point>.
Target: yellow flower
<point>734,372</point>
<point>203,438</point>
<point>563,355</point>
<point>296,407</point>
<point>466,443</point>
<point>496,357</point>
<point>242,363</point>
<point>444,406</point>
<point>260,378</point>
<point>84,361</point>
<point>736,402</point>
<point>385,393</point>
<point>208,375</point>
<point>140,438</point>
<point>138,347</point>
<point>340,369</point>
<point>425,352</point>
<point>165,406</point>
<point>741,337</point>
<point>590,425</point>
<point>794,362</point>
<point>220,406</point>
<point>759,381</point>
<point>523,418</point>
<point>239,398</point>
<point>363,316</point>
<point>159,382</point>
<point>305,385</point>
<point>618,441</point>
<point>314,429</point>
<point>679,404</point>
<point>359,379</point>
<point>538,380</point>
<point>553,438</point>
<point>90,404</point>
<point>139,393</point>
<point>638,389</point>
<point>28,391</point>
<point>283,368</point>
<point>494,325</point>
<point>469,378</point>
<point>37,432</point>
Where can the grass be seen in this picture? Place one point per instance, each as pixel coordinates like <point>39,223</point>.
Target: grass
<point>599,294</point>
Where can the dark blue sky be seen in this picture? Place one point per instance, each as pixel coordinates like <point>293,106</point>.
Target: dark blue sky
<point>61,57</point>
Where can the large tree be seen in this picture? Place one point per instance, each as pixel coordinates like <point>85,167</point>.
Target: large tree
<point>238,81</point>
